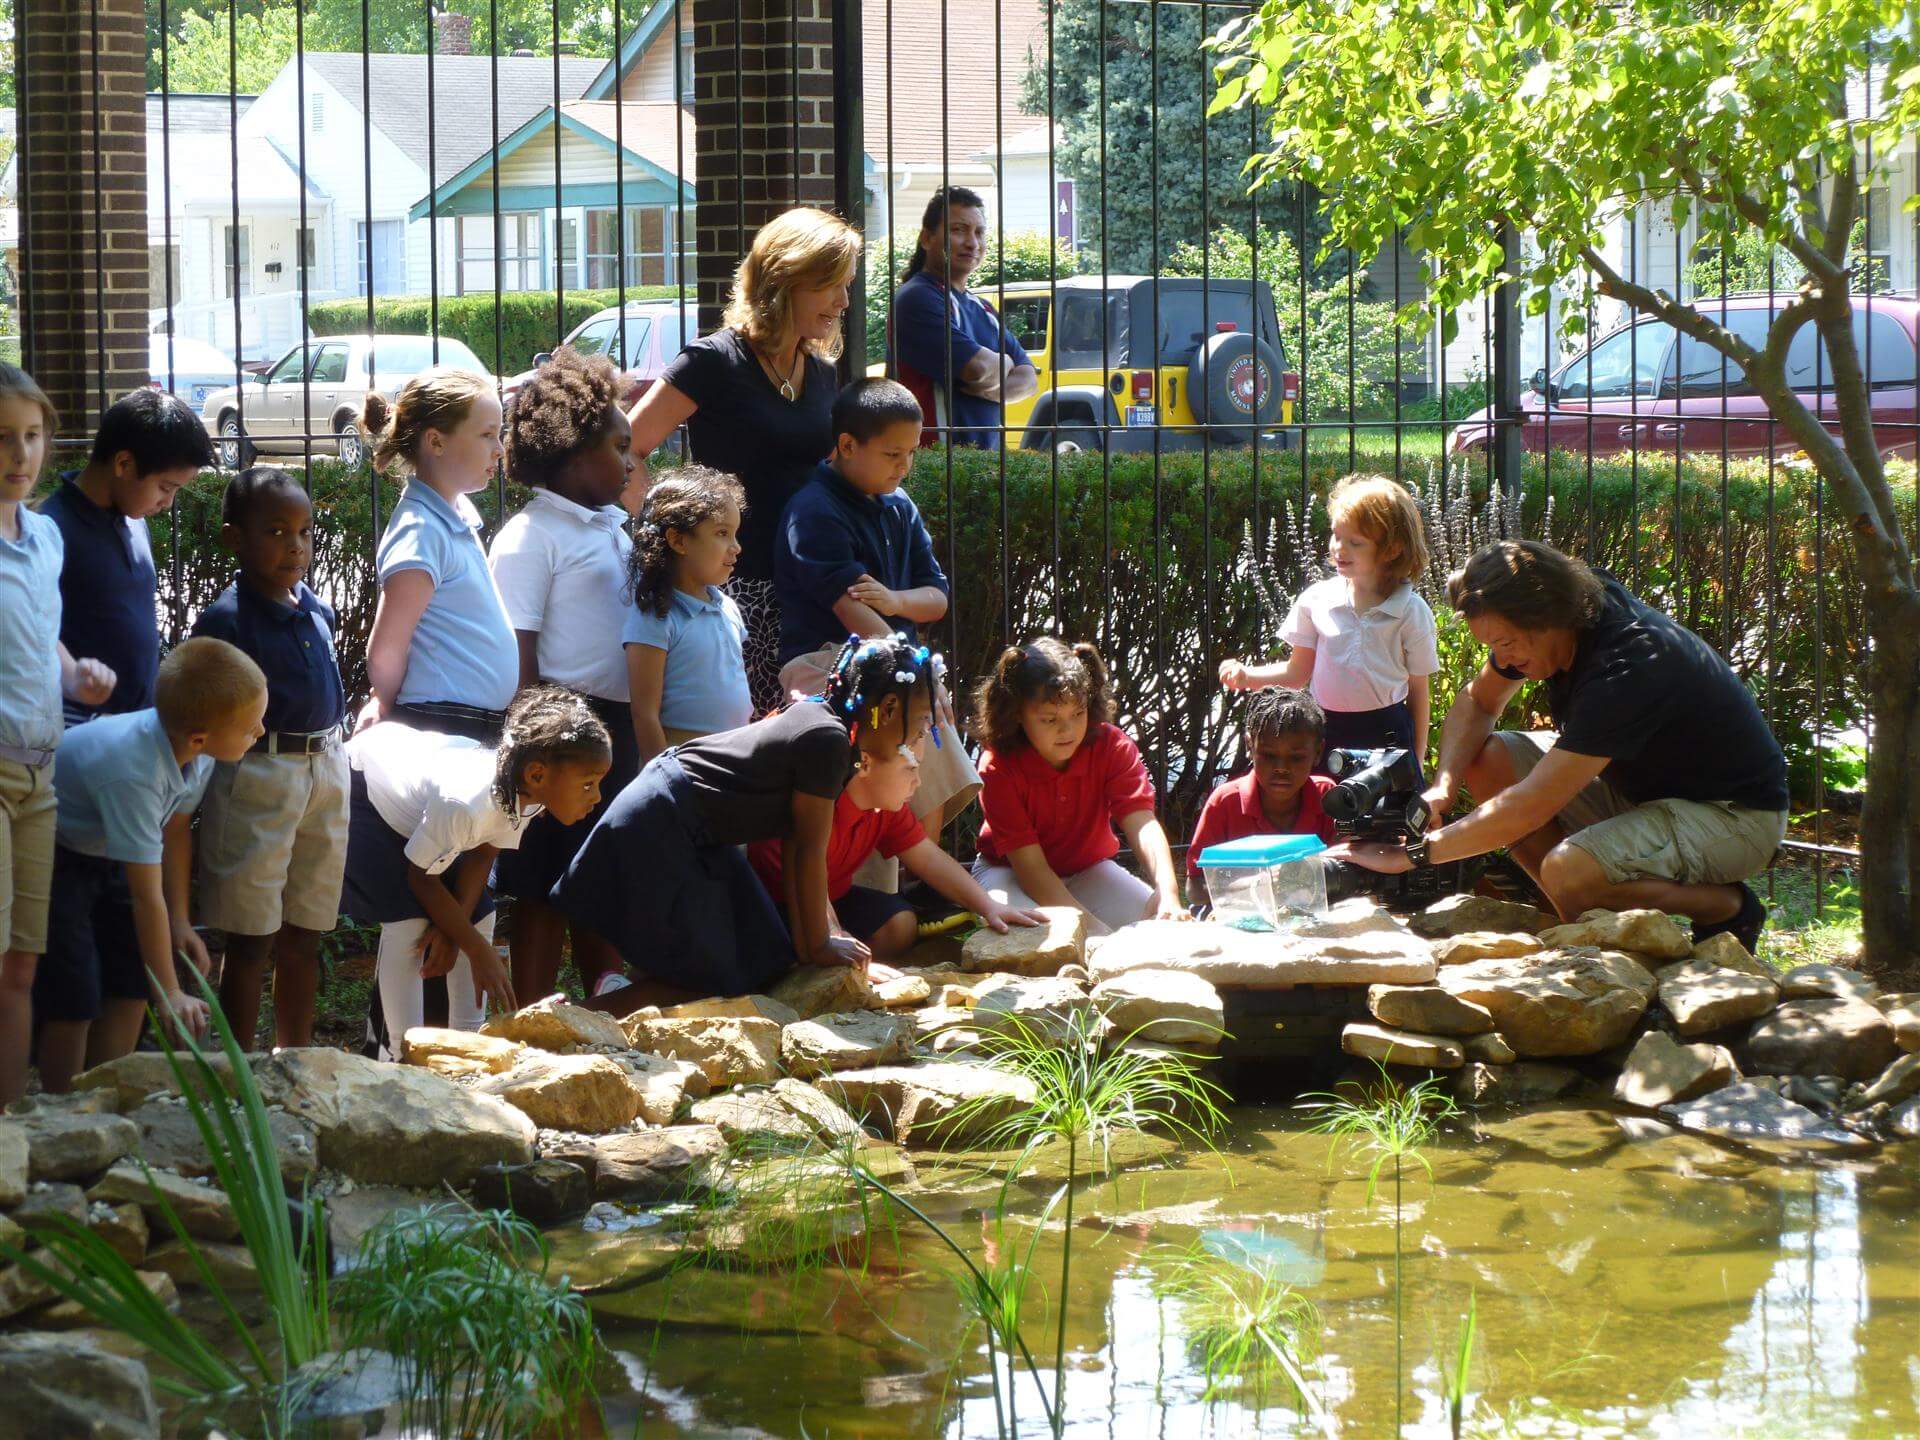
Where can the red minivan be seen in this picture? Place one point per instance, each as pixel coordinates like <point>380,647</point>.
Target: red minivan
<point>1637,389</point>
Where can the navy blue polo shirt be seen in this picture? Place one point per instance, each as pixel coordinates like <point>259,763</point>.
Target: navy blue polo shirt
<point>830,536</point>
<point>292,645</point>
<point>108,598</point>
<point>934,334</point>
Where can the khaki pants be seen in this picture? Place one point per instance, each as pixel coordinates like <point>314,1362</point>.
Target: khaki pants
<point>26,855</point>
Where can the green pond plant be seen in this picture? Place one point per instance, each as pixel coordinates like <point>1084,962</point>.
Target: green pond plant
<point>1390,1123</point>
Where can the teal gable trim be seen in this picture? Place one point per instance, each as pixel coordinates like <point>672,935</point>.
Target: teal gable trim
<point>658,18</point>
<point>449,199</point>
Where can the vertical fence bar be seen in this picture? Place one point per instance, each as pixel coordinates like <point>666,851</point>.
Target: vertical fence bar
<point>366,175</point>
<point>308,351</point>
<point>1509,420</point>
<point>233,248</point>
<point>849,179</point>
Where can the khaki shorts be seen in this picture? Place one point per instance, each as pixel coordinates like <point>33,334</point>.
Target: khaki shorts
<point>26,855</point>
<point>1693,842</point>
<point>273,842</point>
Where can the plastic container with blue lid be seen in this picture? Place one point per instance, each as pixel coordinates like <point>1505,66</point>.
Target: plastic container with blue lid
<point>1264,882</point>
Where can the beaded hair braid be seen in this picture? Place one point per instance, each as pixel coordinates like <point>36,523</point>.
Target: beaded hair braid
<point>867,670</point>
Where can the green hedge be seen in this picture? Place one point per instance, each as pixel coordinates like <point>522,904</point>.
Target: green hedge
<point>527,323</point>
<point>1076,551</point>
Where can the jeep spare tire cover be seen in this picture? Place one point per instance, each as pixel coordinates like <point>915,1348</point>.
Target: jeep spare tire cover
<point>1235,380</point>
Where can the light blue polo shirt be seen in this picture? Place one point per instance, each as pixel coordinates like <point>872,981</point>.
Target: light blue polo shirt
<point>463,649</point>
<point>30,633</point>
<point>705,686</point>
<point>118,786</point>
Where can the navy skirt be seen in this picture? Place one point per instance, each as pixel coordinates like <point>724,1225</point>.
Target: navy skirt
<point>1390,727</point>
<point>376,892</point>
<point>548,847</point>
<point>680,909</point>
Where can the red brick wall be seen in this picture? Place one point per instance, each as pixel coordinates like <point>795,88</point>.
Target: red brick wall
<point>83,200</point>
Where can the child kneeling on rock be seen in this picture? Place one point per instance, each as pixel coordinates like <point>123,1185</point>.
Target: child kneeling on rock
<point>663,874</point>
<point>873,817</point>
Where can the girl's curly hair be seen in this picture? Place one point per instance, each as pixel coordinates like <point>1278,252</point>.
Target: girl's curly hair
<point>550,723</point>
<point>683,501</point>
<point>1043,669</point>
<point>868,669</point>
<point>565,409</point>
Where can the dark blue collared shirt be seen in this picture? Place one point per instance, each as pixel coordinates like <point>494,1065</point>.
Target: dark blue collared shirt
<point>830,536</point>
<point>292,645</point>
<point>108,595</point>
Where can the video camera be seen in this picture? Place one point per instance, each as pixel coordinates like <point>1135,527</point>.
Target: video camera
<point>1376,798</point>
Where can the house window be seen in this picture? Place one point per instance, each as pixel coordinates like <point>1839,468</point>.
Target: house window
<point>386,268</point>
<point>511,262</point>
<point>1878,210</point>
<point>568,243</point>
<point>163,272</point>
<point>649,258</point>
<point>684,61</point>
<point>237,266</point>
<point>603,250</point>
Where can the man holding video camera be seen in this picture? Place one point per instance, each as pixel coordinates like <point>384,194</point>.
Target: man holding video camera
<point>1662,789</point>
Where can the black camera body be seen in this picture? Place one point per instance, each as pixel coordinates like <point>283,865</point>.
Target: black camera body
<point>1376,799</point>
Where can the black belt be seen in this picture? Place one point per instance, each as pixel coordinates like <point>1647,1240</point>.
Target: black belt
<point>295,742</point>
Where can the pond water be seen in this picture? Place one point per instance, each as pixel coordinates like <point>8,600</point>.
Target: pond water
<point>1628,1281</point>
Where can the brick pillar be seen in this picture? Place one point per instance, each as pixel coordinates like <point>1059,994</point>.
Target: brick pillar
<point>757,109</point>
<point>82,194</point>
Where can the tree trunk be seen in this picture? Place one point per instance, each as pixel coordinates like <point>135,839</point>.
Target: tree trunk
<point>1890,819</point>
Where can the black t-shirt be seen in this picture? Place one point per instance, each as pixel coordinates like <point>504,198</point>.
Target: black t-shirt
<point>744,780</point>
<point>1666,712</point>
<point>745,427</point>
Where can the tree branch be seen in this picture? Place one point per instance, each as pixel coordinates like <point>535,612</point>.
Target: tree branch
<point>1846,196</point>
<point>1755,213</point>
<point>1684,318</point>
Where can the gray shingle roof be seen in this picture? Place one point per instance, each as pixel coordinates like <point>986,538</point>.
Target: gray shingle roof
<point>463,118</point>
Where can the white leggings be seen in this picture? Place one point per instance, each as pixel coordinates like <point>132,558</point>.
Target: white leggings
<point>399,974</point>
<point>1113,895</point>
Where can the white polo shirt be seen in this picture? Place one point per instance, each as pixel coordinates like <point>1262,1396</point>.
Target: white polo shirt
<point>1361,659</point>
<point>437,790</point>
<point>562,572</point>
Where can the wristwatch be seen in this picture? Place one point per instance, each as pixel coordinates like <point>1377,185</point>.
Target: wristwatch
<point>1417,853</point>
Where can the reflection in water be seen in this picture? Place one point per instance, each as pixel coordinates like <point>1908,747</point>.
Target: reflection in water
<point>1628,1282</point>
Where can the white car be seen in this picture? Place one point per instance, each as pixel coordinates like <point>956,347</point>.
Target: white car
<point>312,395</point>
<point>189,368</point>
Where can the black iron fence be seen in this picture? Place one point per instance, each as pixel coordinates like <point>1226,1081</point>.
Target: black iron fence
<point>344,190</point>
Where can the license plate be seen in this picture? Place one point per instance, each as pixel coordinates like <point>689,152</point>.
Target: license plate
<point>1141,415</point>
<point>200,392</point>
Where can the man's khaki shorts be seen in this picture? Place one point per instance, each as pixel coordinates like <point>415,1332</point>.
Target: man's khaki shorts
<point>1693,842</point>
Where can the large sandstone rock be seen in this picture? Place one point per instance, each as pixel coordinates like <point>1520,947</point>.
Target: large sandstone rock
<point>124,1229</point>
<point>76,1147</point>
<point>134,1079</point>
<point>754,1120</point>
<point>1523,1083</point>
<point>946,1103</point>
<point>1660,1070</point>
<point>1702,997</point>
<point>13,1163</point>
<point>589,1093</point>
<point>1029,949</point>
<point>1904,1017</point>
<point>395,1124</point>
<point>71,1315</point>
<point>1898,1081</point>
<point>810,990</point>
<point>171,1140</point>
<point>1825,1036</point>
<point>903,991</point>
<point>1726,951</point>
<point>732,1007</point>
<point>829,1118</point>
<point>203,1210</point>
<point>21,1291</point>
<point>1489,1049</point>
<point>1639,932</point>
<point>849,1040</point>
<point>1562,1002</point>
<point>1042,1006</point>
<point>1755,1115</point>
<point>662,1083</point>
<point>1167,1006</point>
<point>50,1205</point>
<point>936,1018</point>
<point>1357,944</point>
<point>61,1388</point>
<point>556,1024</point>
<point>1818,981</point>
<point>1427,1009</point>
<point>458,1053</point>
<point>544,1193</point>
<point>736,1050</point>
<point>648,1167</point>
<point>1459,914</point>
<point>1474,945</point>
<point>1401,1047</point>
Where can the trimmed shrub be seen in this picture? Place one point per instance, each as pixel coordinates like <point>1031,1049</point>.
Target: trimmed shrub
<point>526,319</point>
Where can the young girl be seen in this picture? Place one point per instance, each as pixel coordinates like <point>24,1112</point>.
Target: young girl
<point>1057,775</point>
<point>424,800</point>
<point>1364,642</point>
<point>561,568</point>
<point>442,653</point>
<point>684,638</point>
<point>872,817</point>
<point>35,672</point>
<point>664,876</point>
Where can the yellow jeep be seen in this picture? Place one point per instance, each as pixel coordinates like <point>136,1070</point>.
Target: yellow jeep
<point>1212,378</point>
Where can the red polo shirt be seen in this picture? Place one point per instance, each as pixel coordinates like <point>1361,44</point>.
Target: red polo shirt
<point>1070,813</point>
<point>1233,812</point>
<point>856,834</point>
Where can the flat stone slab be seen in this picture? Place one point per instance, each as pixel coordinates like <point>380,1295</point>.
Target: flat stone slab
<point>1402,1047</point>
<point>1638,932</point>
<point>1815,980</point>
<point>1427,1010</point>
<point>1702,997</point>
<point>1755,1115</point>
<point>1458,914</point>
<point>1230,959</point>
<point>1029,949</point>
<point>1661,1071</point>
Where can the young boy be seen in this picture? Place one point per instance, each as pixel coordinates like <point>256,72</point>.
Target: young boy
<point>1280,795</point>
<point>148,445</point>
<point>852,556</point>
<point>273,839</point>
<point>127,787</point>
